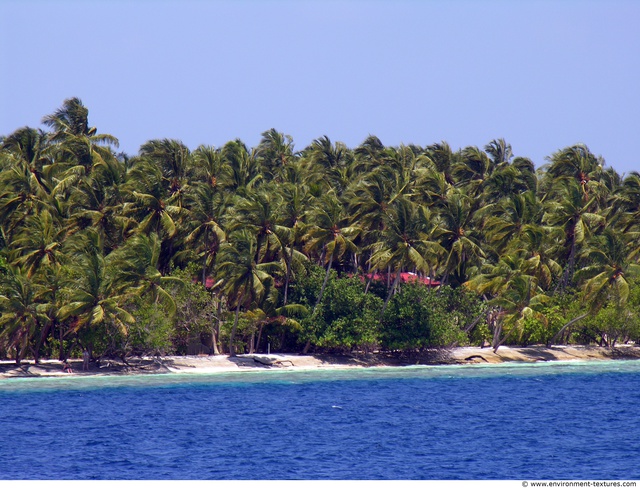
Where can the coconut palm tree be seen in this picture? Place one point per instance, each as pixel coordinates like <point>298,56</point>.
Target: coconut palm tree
<point>459,236</point>
<point>173,159</point>
<point>76,146</point>
<point>573,216</point>
<point>240,278</point>
<point>134,270</point>
<point>576,163</point>
<point>275,151</point>
<point>21,316</point>
<point>207,207</point>
<point>405,243</point>
<point>38,243</point>
<point>90,296</point>
<point>257,212</point>
<point>329,235</point>
<point>612,261</point>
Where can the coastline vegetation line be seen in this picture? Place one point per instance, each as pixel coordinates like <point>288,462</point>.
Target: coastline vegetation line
<point>235,249</point>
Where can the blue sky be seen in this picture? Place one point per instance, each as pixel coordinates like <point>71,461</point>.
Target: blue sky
<point>541,74</point>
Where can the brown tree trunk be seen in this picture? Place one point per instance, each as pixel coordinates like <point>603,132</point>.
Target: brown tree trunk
<point>232,347</point>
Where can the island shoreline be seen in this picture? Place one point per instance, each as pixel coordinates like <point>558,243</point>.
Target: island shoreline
<point>205,364</point>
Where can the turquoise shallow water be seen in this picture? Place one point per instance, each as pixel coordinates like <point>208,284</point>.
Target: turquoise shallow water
<point>574,420</point>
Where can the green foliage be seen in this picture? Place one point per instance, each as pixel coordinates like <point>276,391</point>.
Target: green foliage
<point>89,239</point>
<point>195,311</point>
<point>419,317</point>
<point>351,317</point>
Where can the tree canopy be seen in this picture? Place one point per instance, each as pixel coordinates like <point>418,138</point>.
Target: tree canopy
<point>326,248</point>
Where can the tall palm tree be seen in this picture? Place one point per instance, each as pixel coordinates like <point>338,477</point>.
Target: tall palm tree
<point>459,236</point>
<point>240,278</point>
<point>76,146</point>
<point>329,235</point>
<point>206,206</point>
<point>90,295</point>
<point>613,259</point>
<point>573,216</point>
<point>275,151</point>
<point>134,270</point>
<point>405,242</point>
<point>21,314</point>
<point>173,159</point>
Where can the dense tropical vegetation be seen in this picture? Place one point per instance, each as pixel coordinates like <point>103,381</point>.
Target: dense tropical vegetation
<point>238,249</point>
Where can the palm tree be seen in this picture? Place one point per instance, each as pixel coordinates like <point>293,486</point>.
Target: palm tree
<point>173,159</point>
<point>90,297</point>
<point>21,315</point>
<point>275,152</point>
<point>150,205</point>
<point>38,243</point>
<point>240,278</point>
<point>613,259</point>
<point>242,168</point>
<point>578,164</point>
<point>572,215</point>
<point>510,218</point>
<point>329,234</point>
<point>207,206</point>
<point>459,237</point>
<point>208,165</point>
<point>133,270</point>
<point>257,212</point>
<point>290,227</point>
<point>329,164</point>
<point>405,243</point>
<point>75,143</point>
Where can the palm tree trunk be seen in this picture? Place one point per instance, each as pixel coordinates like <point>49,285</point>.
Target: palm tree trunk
<point>565,327</point>
<point>204,261</point>
<point>215,330</point>
<point>232,348</point>
<point>324,283</point>
<point>393,288</point>
<point>259,337</point>
<point>287,277</point>
<point>369,278</point>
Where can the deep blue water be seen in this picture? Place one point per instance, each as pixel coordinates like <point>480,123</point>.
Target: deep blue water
<point>542,421</point>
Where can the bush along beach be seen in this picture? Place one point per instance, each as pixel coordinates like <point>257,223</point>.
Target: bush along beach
<point>232,249</point>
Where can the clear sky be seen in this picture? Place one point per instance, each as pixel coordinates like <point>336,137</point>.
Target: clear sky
<point>541,74</point>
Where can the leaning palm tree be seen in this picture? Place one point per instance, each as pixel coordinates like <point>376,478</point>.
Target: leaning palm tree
<point>613,258</point>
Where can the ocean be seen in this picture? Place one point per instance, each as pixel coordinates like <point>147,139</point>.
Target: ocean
<point>577,420</point>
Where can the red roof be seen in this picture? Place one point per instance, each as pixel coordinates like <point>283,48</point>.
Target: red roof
<point>405,278</point>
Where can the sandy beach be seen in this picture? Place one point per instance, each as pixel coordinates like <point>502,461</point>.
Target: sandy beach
<point>256,362</point>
